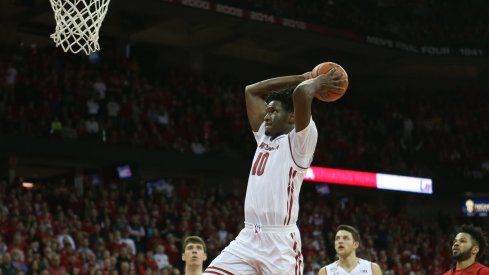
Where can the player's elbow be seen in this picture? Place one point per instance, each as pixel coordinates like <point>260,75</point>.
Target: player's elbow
<point>304,92</point>
<point>249,88</point>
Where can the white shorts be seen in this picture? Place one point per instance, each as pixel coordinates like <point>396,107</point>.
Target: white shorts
<point>260,249</point>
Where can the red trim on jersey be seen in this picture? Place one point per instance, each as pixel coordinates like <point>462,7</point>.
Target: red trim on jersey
<point>290,204</point>
<point>217,268</point>
<point>290,148</point>
<point>298,256</point>
<point>290,195</point>
<point>300,262</point>
<point>213,272</point>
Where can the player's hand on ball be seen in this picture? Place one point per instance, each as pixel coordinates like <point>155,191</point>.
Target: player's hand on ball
<point>307,75</point>
<point>330,82</point>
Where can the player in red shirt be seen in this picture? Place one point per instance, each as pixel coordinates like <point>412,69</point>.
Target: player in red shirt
<point>468,247</point>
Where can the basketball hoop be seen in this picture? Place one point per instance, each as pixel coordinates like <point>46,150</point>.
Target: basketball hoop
<point>78,23</point>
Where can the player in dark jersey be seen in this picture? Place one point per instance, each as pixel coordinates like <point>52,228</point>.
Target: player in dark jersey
<point>468,247</point>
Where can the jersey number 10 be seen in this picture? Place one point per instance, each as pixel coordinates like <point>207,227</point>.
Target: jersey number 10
<point>259,165</point>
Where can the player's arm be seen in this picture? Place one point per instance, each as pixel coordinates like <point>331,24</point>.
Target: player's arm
<point>304,94</point>
<point>376,269</point>
<point>322,271</point>
<point>256,93</point>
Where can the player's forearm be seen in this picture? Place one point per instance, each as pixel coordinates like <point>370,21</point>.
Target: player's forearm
<point>265,87</point>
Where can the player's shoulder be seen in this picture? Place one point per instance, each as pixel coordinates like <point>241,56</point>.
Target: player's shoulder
<point>322,271</point>
<point>311,128</point>
<point>376,270</point>
<point>483,270</point>
<point>365,261</point>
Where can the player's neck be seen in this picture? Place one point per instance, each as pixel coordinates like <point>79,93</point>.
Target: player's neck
<point>193,270</point>
<point>288,130</point>
<point>276,136</point>
<point>349,262</point>
<point>464,264</point>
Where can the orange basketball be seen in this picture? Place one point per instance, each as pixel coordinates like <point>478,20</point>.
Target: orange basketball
<point>330,95</point>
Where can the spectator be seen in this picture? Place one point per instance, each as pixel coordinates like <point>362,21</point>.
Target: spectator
<point>128,242</point>
<point>84,247</point>
<point>56,126</point>
<point>7,266</point>
<point>65,237</point>
<point>92,106</point>
<point>92,127</point>
<point>161,258</point>
<point>18,262</point>
<point>10,83</point>
<point>3,245</point>
<point>100,89</point>
<point>68,131</point>
<point>136,231</point>
<point>55,267</point>
<point>197,147</point>
<point>113,109</point>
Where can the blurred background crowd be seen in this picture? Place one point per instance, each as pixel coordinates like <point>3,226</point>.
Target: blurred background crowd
<point>122,228</point>
<point>118,101</point>
<point>97,223</point>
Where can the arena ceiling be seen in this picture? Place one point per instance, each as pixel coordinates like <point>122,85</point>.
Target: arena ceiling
<point>187,34</point>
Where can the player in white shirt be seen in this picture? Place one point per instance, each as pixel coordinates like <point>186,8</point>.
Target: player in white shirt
<point>346,243</point>
<point>194,254</point>
<point>279,112</point>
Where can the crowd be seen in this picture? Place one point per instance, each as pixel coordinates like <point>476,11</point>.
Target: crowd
<point>121,228</point>
<point>422,22</point>
<point>118,101</point>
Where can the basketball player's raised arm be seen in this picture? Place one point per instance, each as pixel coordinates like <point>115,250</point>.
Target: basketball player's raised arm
<point>255,95</point>
<point>304,94</point>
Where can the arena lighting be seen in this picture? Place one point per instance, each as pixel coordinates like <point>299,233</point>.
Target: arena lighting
<point>370,180</point>
<point>27,185</point>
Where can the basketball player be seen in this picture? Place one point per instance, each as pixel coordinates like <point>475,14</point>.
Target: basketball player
<point>468,247</point>
<point>194,254</point>
<point>279,112</point>
<point>346,242</point>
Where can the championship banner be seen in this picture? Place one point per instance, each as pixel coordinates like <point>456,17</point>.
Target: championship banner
<point>466,51</point>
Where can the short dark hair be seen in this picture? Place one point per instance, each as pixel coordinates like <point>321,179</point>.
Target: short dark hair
<point>195,240</point>
<point>477,235</point>
<point>354,232</point>
<point>284,96</point>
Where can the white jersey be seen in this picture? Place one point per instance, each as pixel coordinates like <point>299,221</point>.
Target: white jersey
<point>277,171</point>
<point>364,267</point>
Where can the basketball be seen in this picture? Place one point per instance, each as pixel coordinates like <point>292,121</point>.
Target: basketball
<point>330,95</point>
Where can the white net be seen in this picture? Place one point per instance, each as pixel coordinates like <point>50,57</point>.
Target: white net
<point>78,23</point>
